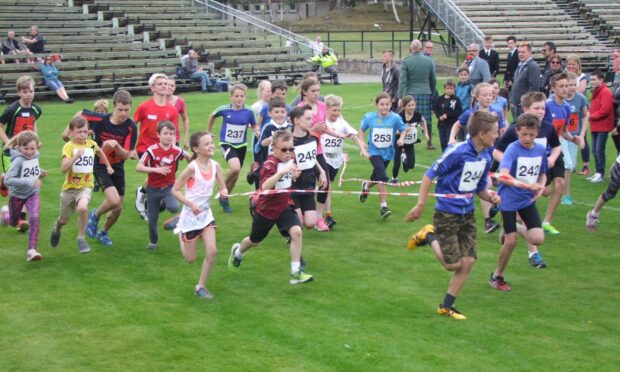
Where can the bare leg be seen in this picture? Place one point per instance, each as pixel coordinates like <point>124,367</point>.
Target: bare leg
<point>460,275</point>
<point>234,167</point>
<point>296,239</point>
<point>208,236</point>
<point>82,210</point>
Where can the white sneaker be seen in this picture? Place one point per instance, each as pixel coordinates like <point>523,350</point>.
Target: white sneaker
<point>597,178</point>
<point>33,255</point>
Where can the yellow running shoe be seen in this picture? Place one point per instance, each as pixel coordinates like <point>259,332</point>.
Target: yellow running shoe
<point>450,312</point>
<point>419,239</point>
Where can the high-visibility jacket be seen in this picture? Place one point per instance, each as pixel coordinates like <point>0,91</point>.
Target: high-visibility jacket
<point>325,60</point>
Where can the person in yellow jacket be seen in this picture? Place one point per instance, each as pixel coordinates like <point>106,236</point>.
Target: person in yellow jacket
<point>328,62</point>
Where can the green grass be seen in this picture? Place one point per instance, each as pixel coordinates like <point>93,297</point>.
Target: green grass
<point>371,307</point>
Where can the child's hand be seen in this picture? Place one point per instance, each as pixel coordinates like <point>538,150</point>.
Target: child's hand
<point>224,193</point>
<point>110,169</point>
<point>536,187</point>
<point>400,142</point>
<point>414,213</point>
<point>443,117</point>
<point>427,138</point>
<point>37,184</point>
<point>576,140</point>
<point>42,173</point>
<point>494,198</point>
<point>319,127</point>
<point>163,170</point>
<point>133,154</point>
<point>109,144</point>
<point>195,208</point>
<point>322,181</point>
<point>364,154</point>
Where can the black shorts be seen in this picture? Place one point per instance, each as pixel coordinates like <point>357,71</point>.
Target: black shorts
<point>195,234</point>
<point>332,172</point>
<point>262,225</point>
<point>230,152</point>
<point>304,201</point>
<point>529,216</point>
<point>116,179</point>
<point>379,165</point>
<point>557,171</point>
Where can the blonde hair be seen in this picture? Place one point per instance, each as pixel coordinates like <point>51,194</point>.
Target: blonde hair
<point>101,104</point>
<point>24,82</point>
<point>262,86</point>
<point>333,100</point>
<point>575,58</point>
<point>239,86</point>
<point>155,77</point>
<point>22,139</point>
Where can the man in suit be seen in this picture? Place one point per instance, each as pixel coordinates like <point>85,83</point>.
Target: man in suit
<point>478,68</point>
<point>527,78</point>
<point>490,55</point>
<point>512,61</point>
<point>418,79</point>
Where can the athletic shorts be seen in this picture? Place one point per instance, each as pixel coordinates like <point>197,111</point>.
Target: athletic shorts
<point>557,171</point>
<point>332,172</point>
<point>379,165</point>
<point>195,234</point>
<point>230,152</point>
<point>456,234</point>
<point>529,216</point>
<point>116,179</point>
<point>304,201</point>
<point>569,150</point>
<point>69,199</point>
<point>262,225</point>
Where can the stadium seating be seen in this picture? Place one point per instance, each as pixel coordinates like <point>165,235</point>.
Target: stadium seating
<point>603,14</point>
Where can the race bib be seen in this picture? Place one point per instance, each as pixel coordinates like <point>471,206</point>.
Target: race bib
<point>541,141</point>
<point>84,164</point>
<point>23,123</point>
<point>412,136</point>
<point>528,169</point>
<point>559,124</point>
<point>30,169</point>
<point>573,124</point>
<point>472,173</point>
<point>235,134</point>
<point>332,145</point>
<point>382,137</point>
<point>286,181</point>
<point>306,155</point>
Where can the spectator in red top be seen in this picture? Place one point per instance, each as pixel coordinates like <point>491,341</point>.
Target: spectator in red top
<point>601,122</point>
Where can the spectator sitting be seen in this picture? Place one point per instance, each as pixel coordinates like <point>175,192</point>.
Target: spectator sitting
<point>328,61</point>
<point>50,74</point>
<point>36,43</point>
<point>13,46</point>
<point>190,65</point>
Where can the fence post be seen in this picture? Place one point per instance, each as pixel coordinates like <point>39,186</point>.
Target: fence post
<point>400,49</point>
<point>370,49</point>
<point>328,37</point>
<point>344,49</point>
<point>393,37</point>
<point>362,41</point>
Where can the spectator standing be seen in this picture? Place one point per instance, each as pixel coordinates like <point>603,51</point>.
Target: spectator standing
<point>181,107</point>
<point>427,50</point>
<point>548,50</point>
<point>50,75</point>
<point>328,61</point>
<point>555,68</point>
<point>512,61</point>
<point>478,68</point>
<point>13,46</point>
<point>526,79</point>
<point>190,65</point>
<point>417,79</point>
<point>317,46</point>
<point>390,73</point>
<point>36,43</point>
<point>490,55</point>
<point>601,122</point>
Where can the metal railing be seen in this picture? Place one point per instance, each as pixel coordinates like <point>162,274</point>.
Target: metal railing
<point>463,29</point>
<point>237,15</point>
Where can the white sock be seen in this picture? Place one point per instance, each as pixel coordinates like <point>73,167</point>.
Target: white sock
<point>238,253</point>
<point>295,266</point>
<point>593,213</point>
<point>384,204</point>
<point>530,254</point>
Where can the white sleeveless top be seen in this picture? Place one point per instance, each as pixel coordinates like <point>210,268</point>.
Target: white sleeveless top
<point>200,193</point>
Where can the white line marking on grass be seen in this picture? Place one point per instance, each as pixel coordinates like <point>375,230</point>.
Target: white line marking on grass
<point>615,209</point>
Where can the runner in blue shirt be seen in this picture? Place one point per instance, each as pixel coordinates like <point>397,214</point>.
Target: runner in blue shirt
<point>383,125</point>
<point>522,177</point>
<point>236,118</point>
<point>460,171</point>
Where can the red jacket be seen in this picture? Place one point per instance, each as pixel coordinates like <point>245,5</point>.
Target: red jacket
<point>602,110</point>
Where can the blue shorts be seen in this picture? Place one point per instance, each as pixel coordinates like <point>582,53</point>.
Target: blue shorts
<point>53,84</point>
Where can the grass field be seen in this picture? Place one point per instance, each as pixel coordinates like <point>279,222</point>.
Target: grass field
<point>371,307</point>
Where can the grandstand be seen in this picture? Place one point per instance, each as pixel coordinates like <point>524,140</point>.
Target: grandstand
<point>603,14</point>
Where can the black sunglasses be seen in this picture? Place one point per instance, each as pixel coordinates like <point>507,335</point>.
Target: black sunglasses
<point>285,149</point>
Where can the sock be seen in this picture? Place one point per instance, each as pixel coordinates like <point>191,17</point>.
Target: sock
<point>545,222</point>
<point>448,300</point>
<point>530,254</point>
<point>295,266</point>
<point>384,204</point>
<point>430,238</point>
<point>593,214</point>
<point>238,253</point>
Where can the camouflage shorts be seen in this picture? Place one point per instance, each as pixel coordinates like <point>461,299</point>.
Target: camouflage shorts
<point>456,235</point>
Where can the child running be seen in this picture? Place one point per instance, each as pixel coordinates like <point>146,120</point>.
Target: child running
<point>522,176</point>
<point>78,159</point>
<point>405,154</point>
<point>181,107</point>
<point>277,173</point>
<point>196,218</point>
<point>236,118</point>
<point>116,134</point>
<point>592,218</point>
<point>382,125</point>
<point>460,170</point>
<point>160,161</point>
<point>23,182</point>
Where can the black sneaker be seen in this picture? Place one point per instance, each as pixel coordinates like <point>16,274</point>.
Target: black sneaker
<point>363,193</point>
<point>55,237</point>
<point>385,212</point>
<point>490,226</point>
<point>233,261</point>
<point>330,221</point>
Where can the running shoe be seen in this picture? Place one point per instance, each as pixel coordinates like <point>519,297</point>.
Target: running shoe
<point>591,222</point>
<point>364,193</point>
<point>499,283</point>
<point>549,229</point>
<point>141,202</point>
<point>385,212</point>
<point>93,221</point>
<point>419,239</point>
<point>83,245</point>
<point>300,277</point>
<point>537,261</point>
<point>233,261</point>
<point>490,226</point>
<point>225,204</point>
<point>55,237</point>
<point>33,255</point>
<point>22,226</point>
<point>330,221</point>
<point>567,200</point>
<point>104,238</point>
<point>151,246</point>
<point>394,181</point>
<point>204,293</point>
<point>450,312</point>
<point>321,226</point>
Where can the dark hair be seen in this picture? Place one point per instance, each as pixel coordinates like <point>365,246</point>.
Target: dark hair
<point>511,37</point>
<point>528,120</point>
<point>194,140</point>
<point>165,124</point>
<point>449,83</point>
<point>551,46</point>
<point>528,99</point>
<point>381,96</point>
<point>462,69</point>
<point>298,112</point>
<point>493,81</point>
<point>598,73</point>
<point>278,84</point>
<point>405,102</point>
<point>488,38</point>
<point>276,102</point>
<point>555,78</point>
<point>77,122</point>
<point>122,96</point>
<point>481,121</point>
<point>503,92</point>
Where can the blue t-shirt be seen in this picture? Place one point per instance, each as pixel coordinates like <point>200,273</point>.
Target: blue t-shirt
<point>576,108</point>
<point>460,170</point>
<point>546,137</point>
<point>525,165</point>
<point>500,104</point>
<point>558,115</point>
<point>235,124</point>
<point>464,118</point>
<point>382,135</point>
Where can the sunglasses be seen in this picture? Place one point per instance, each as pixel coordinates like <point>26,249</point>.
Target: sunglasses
<point>556,62</point>
<point>285,149</point>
